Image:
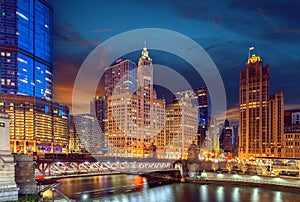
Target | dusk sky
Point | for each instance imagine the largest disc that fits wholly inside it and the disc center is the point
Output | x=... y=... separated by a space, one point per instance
x=225 y=29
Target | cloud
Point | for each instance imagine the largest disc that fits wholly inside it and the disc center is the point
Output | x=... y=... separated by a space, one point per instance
x=277 y=28
x=65 y=74
x=101 y=30
x=232 y=114
x=273 y=28
x=291 y=106
x=67 y=33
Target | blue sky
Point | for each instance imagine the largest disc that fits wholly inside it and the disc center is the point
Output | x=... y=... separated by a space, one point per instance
x=225 y=29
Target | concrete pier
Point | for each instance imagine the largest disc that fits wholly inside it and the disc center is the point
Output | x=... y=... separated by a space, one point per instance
x=8 y=186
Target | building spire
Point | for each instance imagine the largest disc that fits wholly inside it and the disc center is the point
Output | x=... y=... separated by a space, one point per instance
x=254 y=57
x=145 y=53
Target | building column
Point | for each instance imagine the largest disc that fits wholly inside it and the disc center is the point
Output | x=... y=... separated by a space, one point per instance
x=34 y=146
x=15 y=146
x=25 y=147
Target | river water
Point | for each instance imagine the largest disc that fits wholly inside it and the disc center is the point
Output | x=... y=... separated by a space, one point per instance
x=135 y=188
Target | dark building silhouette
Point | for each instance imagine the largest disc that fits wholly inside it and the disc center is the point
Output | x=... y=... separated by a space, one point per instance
x=226 y=139
x=98 y=108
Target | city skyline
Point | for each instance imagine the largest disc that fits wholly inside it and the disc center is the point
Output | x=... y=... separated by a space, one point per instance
x=88 y=91
x=226 y=38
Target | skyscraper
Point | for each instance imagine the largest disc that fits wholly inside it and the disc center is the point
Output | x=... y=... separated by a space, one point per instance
x=181 y=129
x=254 y=98
x=199 y=99
x=120 y=78
x=26 y=89
x=98 y=109
x=26 y=48
x=261 y=116
x=226 y=139
x=87 y=134
x=135 y=117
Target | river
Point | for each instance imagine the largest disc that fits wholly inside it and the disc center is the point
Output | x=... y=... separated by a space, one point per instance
x=136 y=188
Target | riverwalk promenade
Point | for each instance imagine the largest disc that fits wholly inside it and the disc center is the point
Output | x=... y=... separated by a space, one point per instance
x=281 y=183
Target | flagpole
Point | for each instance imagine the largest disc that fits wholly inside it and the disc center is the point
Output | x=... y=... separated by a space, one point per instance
x=250 y=49
x=249 y=53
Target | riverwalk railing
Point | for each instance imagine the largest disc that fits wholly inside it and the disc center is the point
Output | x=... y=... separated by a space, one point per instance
x=248 y=179
x=56 y=194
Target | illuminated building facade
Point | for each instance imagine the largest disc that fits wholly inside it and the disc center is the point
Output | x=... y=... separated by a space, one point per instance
x=291 y=137
x=26 y=75
x=199 y=98
x=211 y=142
x=74 y=140
x=254 y=98
x=135 y=117
x=120 y=78
x=26 y=48
x=261 y=115
x=291 y=143
x=37 y=125
x=291 y=117
x=181 y=129
x=86 y=134
x=276 y=128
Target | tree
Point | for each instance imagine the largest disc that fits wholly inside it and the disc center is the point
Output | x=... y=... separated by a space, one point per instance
x=244 y=168
x=215 y=166
x=229 y=166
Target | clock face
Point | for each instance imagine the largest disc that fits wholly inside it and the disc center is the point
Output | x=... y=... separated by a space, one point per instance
x=147 y=71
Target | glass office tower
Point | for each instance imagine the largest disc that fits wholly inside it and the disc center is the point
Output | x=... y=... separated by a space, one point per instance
x=26 y=48
x=38 y=124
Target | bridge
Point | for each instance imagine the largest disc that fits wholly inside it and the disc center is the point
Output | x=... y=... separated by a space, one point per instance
x=61 y=165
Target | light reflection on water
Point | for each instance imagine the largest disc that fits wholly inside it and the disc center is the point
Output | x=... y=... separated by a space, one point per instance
x=255 y=195
x=135 y=188
x=220 y=193
x=236 y=194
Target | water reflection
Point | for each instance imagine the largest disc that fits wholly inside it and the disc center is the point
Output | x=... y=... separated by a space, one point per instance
x=135 y=188
x=255 y=195
x=236 y=194
x=277 y=196
x=220 y=193
x=204 y=193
